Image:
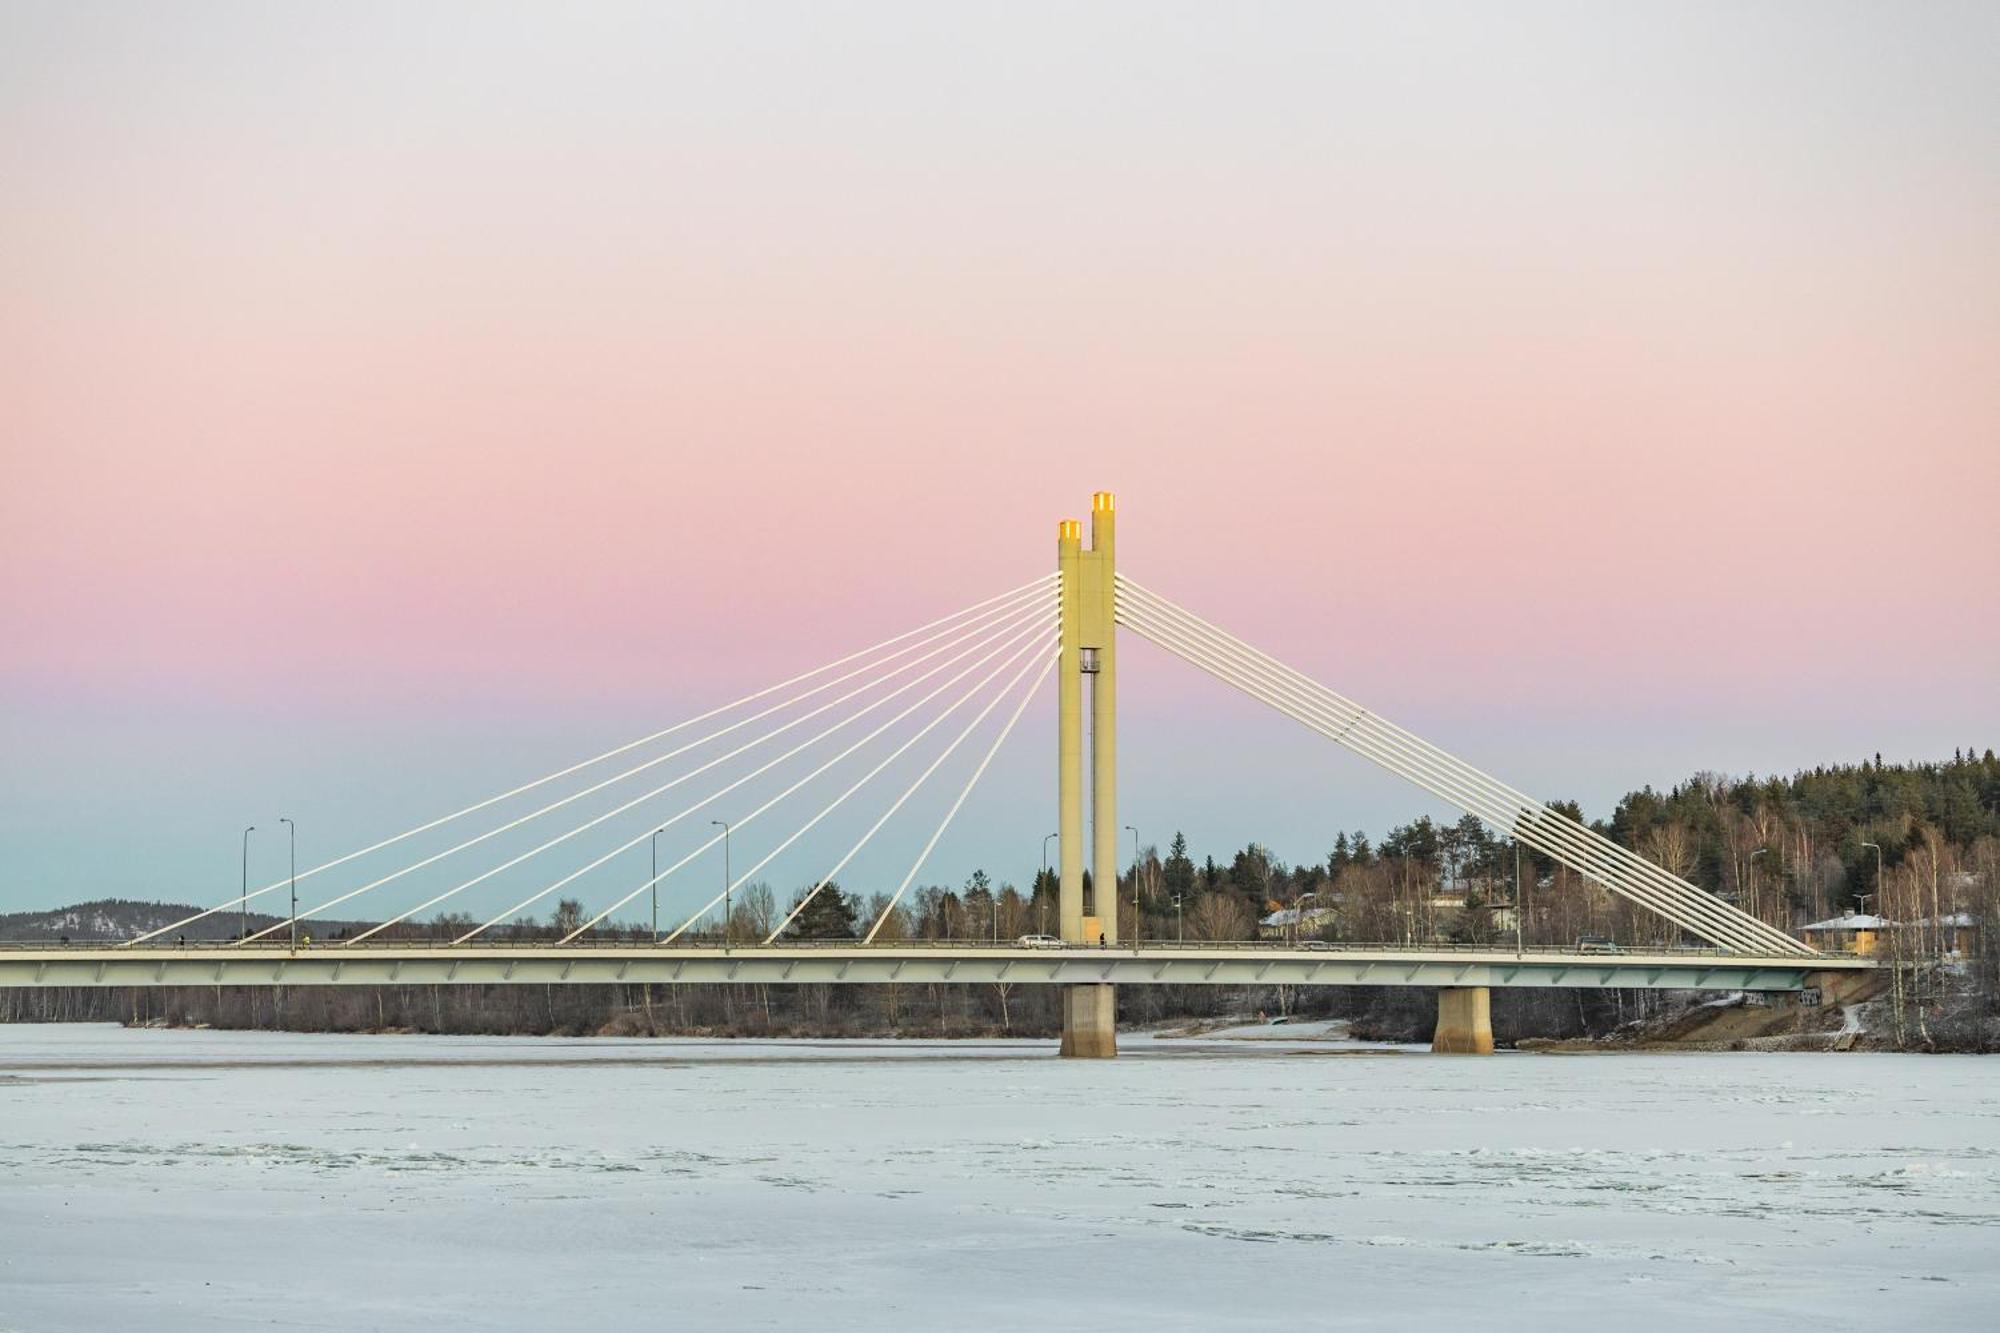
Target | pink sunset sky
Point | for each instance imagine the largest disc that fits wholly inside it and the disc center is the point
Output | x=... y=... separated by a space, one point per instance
x=397 y=402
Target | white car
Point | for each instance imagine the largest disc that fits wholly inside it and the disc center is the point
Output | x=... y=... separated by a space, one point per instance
x=1038 y=942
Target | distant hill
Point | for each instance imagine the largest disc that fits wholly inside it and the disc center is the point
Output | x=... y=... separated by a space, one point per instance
x=123 y=919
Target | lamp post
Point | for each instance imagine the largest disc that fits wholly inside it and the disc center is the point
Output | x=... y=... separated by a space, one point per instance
x=1520 y=906
x=1877 y=895
x=1881 y=899
x=1299 y=917
x=1180 y=931
x=294 y=831
x=1264 y=854
x=243 y=903
x=1750 y=878
x=1135 y=884
x=725 y=881
x=654 y=883
x=1042 y=922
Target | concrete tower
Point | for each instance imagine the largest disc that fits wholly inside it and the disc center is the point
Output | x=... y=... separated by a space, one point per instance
x=1089 y=652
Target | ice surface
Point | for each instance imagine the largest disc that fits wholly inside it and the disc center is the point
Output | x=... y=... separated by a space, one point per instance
x=182 y=1180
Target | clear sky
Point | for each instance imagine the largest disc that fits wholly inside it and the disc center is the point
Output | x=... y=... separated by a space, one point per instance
x=399 y=401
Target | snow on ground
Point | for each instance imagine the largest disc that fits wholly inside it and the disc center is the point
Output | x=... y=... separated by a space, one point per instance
x=182 y=1180
x=1318 y=1033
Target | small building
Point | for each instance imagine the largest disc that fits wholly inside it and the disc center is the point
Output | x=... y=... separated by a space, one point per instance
x=1855 y=933
x=1954 y=927
x=1297 y=922
x=1862 y=934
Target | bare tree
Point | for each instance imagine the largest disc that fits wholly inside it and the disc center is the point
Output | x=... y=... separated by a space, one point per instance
x=1219 y=916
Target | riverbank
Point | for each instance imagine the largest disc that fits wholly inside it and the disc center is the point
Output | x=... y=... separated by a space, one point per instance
x=1752 y=1022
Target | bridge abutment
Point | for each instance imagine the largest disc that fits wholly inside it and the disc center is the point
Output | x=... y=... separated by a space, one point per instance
x=1845 y=987
x=1464 y=1021
x=1090 y=1022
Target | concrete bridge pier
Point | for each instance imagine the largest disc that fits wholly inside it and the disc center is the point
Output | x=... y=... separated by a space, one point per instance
x=1465 y=1021
x=1090 y=1022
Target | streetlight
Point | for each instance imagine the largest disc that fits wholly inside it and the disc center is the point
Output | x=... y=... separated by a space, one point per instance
x=1135 y=884
x=1043 y=907
x=725 y=881
x=1520 y=907
x=1877 y=895
x=654 y=884
x=1180 y=931
x=1299 y=915
x=294 y=830
x=1750 y=876
x=243 y=903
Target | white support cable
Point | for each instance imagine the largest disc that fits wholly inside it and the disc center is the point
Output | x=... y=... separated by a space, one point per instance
x=1023 y=623
x=1007 y=613
x=273 y=886
x=1439 y=786
x=715 y=796
x=1508 y=810
x=867 y=777
x=1591 y=859
x=926 y=729
x=909 y=791
x=966 y=791
x=731 y=886
x=1521 y=816
x=1362 y=727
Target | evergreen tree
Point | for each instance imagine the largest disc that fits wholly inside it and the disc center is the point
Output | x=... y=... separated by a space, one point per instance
x=1339 y=858
x=1177 y=874
x=829 y=916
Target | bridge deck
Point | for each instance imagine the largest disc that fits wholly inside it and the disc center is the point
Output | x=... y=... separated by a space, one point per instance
x=1152 y=963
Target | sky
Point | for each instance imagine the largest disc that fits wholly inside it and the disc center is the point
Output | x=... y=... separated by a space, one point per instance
x=397 y=403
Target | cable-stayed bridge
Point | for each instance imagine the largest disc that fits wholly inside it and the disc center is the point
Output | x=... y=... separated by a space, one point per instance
x=865 y=742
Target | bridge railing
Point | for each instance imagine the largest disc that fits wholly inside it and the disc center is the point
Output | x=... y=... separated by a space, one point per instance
x=486 y=945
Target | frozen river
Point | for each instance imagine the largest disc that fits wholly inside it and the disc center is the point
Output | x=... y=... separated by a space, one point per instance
x=183 y=1180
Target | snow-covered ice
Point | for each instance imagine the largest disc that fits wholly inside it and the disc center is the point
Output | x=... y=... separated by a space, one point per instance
x=182 y=1180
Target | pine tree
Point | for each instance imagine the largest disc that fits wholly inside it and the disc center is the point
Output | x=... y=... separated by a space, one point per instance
x=1339 y=858
x=1177 y=875
x=829 y=916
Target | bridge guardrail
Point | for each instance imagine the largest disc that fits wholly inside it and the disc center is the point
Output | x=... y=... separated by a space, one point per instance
x=281 y=946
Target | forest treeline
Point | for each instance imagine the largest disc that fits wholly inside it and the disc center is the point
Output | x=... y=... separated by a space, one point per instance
x=1918 y=843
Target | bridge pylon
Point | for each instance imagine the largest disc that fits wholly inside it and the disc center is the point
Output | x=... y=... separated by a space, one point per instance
x=1089 y=653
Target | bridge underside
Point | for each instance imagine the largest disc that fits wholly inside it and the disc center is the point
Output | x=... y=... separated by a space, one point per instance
x=1219 y=966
